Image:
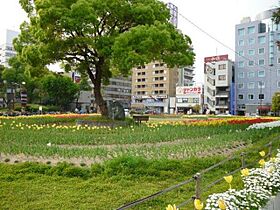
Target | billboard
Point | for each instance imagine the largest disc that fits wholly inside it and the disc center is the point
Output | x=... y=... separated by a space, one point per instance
x=185 y=90
x=216 y=58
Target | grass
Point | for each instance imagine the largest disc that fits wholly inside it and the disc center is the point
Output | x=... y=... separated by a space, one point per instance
x=136 y=161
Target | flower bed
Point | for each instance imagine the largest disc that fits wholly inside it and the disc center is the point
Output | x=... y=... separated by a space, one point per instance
x=260 y=184
x=264 y=125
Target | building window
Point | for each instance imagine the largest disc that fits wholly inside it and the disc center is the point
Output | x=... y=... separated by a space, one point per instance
x=251 y=29
x=141 y=73
x=141 y=67
x=241 y=64
x=251 y=85
x=251 y=41
x=241 y=32
x=251 y=96
x=240 y=96
x=251 y=74
x=261 y=73
x=261 y=51
x=141 y=80
x=278 y=60
x=261 y=62
x=241 y=42
x=261 y=39
x=240 y=85
x=241 y=53
x=278 y=84
x=250 y=63
x=222 y=66
x=251 y=52
x=261 y=84
x=261 y=96
x=241 y=75
x=222 y=77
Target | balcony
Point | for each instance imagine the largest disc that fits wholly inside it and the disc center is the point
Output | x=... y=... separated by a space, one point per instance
x=222 y=94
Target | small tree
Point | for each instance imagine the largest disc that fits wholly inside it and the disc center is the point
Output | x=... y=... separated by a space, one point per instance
x=61 y=90
x=276 y=103
x=196 y=108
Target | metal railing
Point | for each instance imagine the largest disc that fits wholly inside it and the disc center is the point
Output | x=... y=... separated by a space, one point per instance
x=198 y=177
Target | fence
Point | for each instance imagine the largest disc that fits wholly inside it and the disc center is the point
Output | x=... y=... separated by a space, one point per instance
x=197 y=179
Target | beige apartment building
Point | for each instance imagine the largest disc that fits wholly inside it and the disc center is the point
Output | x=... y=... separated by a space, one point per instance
x=154 y=87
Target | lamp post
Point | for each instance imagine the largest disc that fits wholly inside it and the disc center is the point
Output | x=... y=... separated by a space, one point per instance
x=260 y=97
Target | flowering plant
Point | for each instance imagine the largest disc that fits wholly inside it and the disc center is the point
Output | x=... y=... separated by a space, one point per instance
x=259 y=185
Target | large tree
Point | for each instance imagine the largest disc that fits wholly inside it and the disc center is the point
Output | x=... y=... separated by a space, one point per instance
x=98 y=36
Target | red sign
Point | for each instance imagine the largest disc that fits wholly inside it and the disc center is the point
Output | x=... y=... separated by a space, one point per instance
x=216 y=58
x=188 y=90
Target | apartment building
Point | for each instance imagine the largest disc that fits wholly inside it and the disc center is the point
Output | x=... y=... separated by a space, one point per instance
x=118 y=89
x=154 y=87
x=6 y=46
x=218 y=80
x=257 y=70
x=186 y=76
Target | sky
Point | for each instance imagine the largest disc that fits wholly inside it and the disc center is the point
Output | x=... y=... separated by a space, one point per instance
x=216 y=17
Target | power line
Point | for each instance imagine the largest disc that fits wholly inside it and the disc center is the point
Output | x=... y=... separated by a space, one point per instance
x=226 y=46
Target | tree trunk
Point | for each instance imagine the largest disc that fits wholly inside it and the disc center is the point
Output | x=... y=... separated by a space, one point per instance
x=96 y=80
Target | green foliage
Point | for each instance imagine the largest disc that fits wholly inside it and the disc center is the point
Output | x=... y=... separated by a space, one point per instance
x=196 y=108
x=61 y=90
x=97 y=37
x=276 y=102
x=276 y=16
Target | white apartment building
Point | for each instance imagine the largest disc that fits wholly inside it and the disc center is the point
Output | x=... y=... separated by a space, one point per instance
x=218 y=76
x=6 y=46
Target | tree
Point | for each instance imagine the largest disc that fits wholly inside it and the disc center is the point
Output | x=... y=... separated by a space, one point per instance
x=276 y=102
x=196 y=108
x=98 y=36
x=61 y=90
x=19 y=72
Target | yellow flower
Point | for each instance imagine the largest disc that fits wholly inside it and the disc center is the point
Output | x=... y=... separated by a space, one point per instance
x=170 y=207
x=245 y=172
x=197 y=204
x=262 y=153
x=228 y=180
x=262 y=162
x=273 y=159
x=222 y=204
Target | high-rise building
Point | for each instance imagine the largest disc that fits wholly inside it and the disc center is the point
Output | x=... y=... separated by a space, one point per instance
x=257 y=71
x=185 y=76
x=173 y=14
x=152 y=87
x=218 y=79
x=6 y=47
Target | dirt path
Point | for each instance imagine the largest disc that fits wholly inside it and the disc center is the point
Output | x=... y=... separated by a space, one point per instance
x=84 y=161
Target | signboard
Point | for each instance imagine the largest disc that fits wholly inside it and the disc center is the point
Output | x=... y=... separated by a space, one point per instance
x=188 y=90
x=216 y=58
x=23 y=98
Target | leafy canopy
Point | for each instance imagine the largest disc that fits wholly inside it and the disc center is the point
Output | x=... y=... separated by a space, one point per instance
x=82 y=33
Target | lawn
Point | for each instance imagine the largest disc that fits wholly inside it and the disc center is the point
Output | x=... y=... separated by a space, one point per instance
x=119 y=164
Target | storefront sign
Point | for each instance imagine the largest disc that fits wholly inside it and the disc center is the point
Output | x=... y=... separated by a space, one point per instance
x=216 y=58
x=188 y=90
